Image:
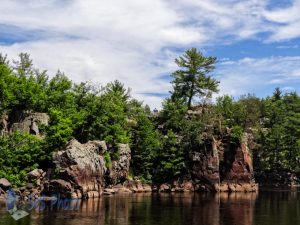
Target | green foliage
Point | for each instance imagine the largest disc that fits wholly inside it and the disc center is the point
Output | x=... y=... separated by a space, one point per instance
x=60 y=130
x=279 y=139
x=236 y=134
x=19 y=154
x=145 y=143
x=171 y=160
x=246 y=112
x=192 y=135
x=192 y=80
x=161 y=144
x=107 y=160
x=173 y=113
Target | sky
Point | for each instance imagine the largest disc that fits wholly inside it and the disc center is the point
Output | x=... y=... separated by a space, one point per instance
x=256 y=42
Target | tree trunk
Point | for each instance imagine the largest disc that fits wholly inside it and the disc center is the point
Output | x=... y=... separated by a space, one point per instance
x=191 y=96
x=190 y=102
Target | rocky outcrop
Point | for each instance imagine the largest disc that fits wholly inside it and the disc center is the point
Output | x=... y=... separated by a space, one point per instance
x=4 y=184
x=24 y=122
x=119 y=171
x=224 y=165
x=137 y=186
x=205 y=165
x=79 y=170
x=29 y=122
x=237 y=167
x=176 y=186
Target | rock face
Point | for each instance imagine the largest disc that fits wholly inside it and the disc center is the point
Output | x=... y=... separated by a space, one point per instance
x=28 y=122
x=119 y=171
x=237 y=166
x=24 y=122
x=79 y=170
x=4 y=125
x=224 y=166
x=205 y=165
x=137 y=186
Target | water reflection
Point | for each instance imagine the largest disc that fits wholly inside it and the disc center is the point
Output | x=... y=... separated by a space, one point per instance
x=237 y=208
x=172 y=209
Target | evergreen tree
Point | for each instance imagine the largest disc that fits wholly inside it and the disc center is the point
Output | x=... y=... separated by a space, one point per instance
x=192 y=79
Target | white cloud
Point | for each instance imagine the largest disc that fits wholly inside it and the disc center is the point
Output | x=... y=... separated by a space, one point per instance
x=288 y=21
x=132 y=40
x=258 y=76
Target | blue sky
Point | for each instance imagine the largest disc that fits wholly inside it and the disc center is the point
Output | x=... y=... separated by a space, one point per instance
x=257 y=42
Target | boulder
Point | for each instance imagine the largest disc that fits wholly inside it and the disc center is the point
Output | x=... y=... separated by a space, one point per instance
x=4 y=184
x=164 y=188
x=29 y=186
x=82 y=166
x=109 y=191
x=137 y=186
x=61 y=187
x=147 y=188
x=35 y=174
x=223 y=187
x=124 y=190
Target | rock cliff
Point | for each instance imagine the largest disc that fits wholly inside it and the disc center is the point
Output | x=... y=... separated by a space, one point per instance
x=78 y=170
x=223 y=165
x=24 y=122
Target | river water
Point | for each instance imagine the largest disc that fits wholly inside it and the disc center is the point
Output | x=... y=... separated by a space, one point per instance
x=263 y=208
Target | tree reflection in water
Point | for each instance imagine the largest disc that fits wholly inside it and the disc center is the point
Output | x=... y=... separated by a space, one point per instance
x=173 y=209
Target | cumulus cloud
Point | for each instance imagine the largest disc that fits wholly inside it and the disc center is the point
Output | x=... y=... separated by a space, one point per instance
x=134 y=40
x=260 y=76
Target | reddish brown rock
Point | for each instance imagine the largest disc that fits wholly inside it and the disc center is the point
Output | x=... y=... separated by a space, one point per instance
x=164 y=188
x=82 y=166
x=224 y=165
x=237 y=167
x=205 y=168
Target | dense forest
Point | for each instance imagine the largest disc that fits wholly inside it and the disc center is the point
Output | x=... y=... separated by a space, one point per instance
x=160 y=142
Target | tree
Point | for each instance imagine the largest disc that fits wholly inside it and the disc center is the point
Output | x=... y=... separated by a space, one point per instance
x=170 y=160
x=192 y=79
x=118 y=88
x=145 y=143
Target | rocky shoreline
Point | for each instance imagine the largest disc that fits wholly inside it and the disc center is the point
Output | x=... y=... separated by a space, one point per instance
x=80 y=170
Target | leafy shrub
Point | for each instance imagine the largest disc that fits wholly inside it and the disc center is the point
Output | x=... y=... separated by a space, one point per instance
x=236 y=134
x=19 y=154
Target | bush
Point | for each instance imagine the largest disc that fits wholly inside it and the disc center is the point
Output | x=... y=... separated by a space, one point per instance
x=236 y=134
x=107 y=160
x=19 y=154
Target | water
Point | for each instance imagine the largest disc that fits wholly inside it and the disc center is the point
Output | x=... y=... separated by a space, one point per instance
x=265 y=208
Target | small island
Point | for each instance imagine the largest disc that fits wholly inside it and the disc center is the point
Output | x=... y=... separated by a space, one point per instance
x=82 y=141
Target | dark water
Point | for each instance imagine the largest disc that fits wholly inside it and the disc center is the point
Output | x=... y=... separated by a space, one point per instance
x=265 y=208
